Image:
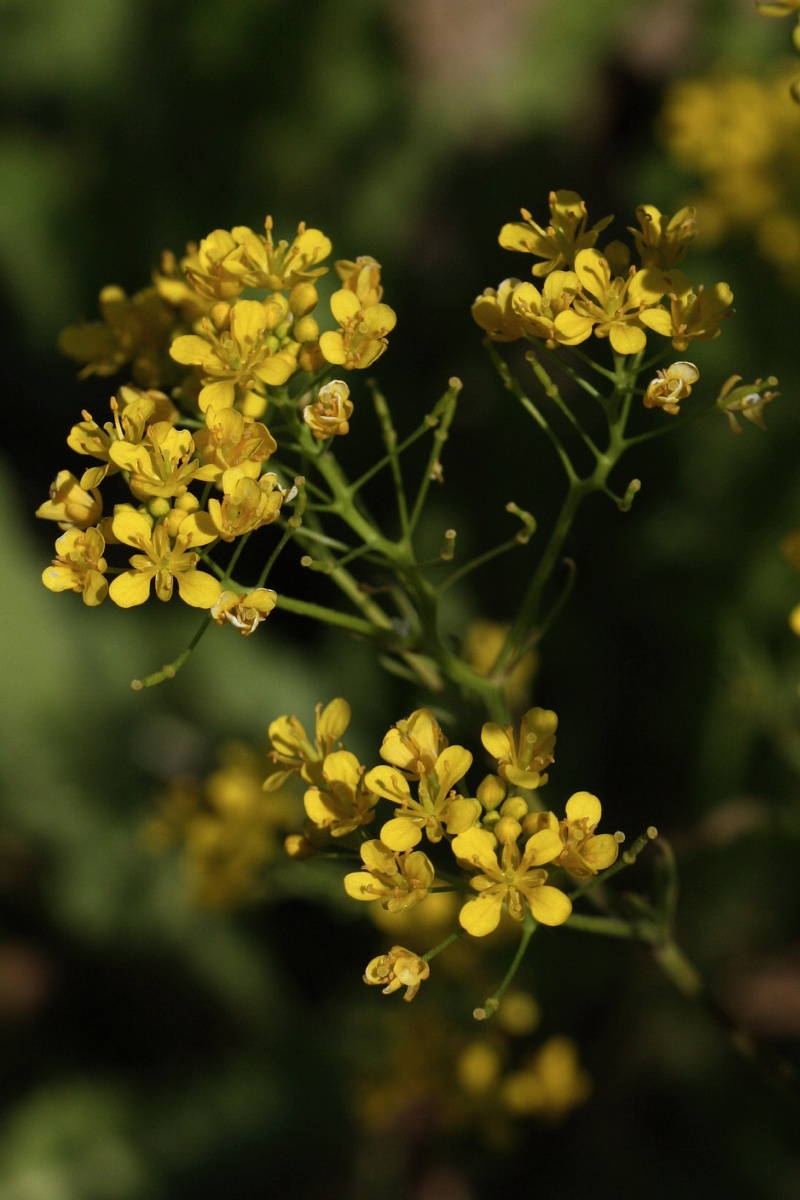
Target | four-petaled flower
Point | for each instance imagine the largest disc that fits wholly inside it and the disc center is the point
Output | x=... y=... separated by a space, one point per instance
x=514 y=881
x=79 y=566
x=294 y=753
x=670 y=386
x=399 y=968
x=244 y=610
x=163 y=559
x=399 y=881
x=523 y=763
x=343 y=801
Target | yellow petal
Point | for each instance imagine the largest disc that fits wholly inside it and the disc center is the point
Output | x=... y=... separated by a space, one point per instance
x=549 y=905
x=584 y=806
x=130 y=589
x=360 y=885
x=389 y=783
x=198 y=589
x=401 y=833
x=481 y=916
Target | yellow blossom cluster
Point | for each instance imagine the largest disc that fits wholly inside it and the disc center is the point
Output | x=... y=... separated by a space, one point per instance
x=218 y=340
x=496 y=849
x=228 y=829
x=488 y=1084
x=739 y=134
x=587 y=291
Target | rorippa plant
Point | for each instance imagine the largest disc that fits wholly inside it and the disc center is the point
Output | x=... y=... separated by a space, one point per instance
x=186 y=472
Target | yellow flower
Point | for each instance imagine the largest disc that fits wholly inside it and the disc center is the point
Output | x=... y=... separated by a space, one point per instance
x=565 y=235
x=243 y=355
x=228 y=828
x=163 y=464
x=294 y=753
x=512 y=882
x=132 y=411
x=362 y=277
x=494 y=312
x=163 y=559
x=542 y=313
x=329 y=413
x=523 y=763
x=437 y=806
x=550 y=1085
x=483 y=641
x=244 y=610
x=414 y=744
x=247 y=503
x=399 y=968
x=69 y=504
x=692 y=315
x=585 y=852
x=281 y=267
x=79 y=566
x=748 y=399
x=613 y=307
x=663 y=241
x=362 y=336
x=133 y=330
x=215 y=269
x=671 y=386
x=343 y=802
x=399 y=881
x=231 y=440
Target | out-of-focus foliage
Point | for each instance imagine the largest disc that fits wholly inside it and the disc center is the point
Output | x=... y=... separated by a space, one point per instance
x=154 y=1049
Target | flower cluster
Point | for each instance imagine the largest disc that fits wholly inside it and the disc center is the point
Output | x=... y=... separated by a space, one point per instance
x=587 y=291
x=739 y=134
x=227 y=828
x=500 y=843
x=219 y=341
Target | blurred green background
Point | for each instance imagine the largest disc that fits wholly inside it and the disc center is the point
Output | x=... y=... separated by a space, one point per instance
x=152 y=1049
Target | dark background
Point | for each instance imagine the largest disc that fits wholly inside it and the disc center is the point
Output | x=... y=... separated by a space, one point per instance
x=154 y=1049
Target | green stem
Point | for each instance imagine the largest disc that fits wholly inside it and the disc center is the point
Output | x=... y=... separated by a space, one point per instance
x=491 y=1005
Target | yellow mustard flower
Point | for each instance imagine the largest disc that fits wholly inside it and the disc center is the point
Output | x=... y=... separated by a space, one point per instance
x=584 y=852
x=438 y=805
x=542 y=314
x=243 y=355
x=612 y=306
x=414 y=744
x=244 y=610
x=231 y=440
x=522 y=763
x=670 y=386
x=328 y=415
x=282 y=266
x=746 y=399
x=399 y=881
x=663 y=241
x=362 y=277
x=134 y=329
x=513 y=881
x=227 y=827
x=361 y=338
x=132 y=411
x=550 y=1085
x=692 y=315
x=399 y=968
x=162 y=464
x=79 y=566
x=493 y=311
x=70 y=505
x=247 y=503
x=483 y=641
x=343 y=802
x=293 y=753
x=563 y=237
x=215 y=270
x=164 y=560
